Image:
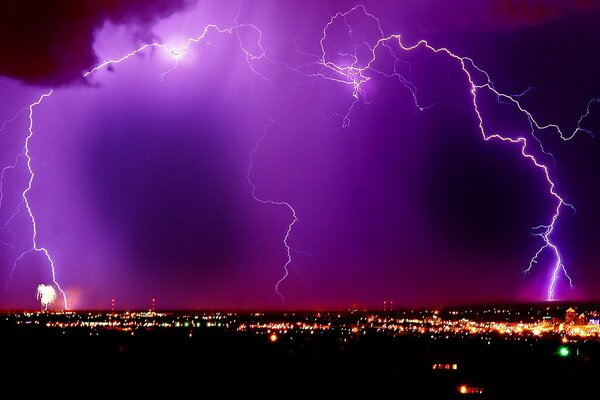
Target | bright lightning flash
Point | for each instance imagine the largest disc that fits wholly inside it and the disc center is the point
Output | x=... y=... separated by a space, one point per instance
x=176 y=54
x=356 y=76
x=46 y=295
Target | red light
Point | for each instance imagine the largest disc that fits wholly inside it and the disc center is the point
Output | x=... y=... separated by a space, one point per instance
x=273 y=338
x=464 y=389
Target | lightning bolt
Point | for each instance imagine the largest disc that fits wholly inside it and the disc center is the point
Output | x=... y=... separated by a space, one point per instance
x=275 y=203
x=176 y=54
x=357 y=76
x=250 y=59
x=35 y=245
x=3 y=174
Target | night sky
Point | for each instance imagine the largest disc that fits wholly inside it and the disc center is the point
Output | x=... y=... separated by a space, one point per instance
x=141 y=183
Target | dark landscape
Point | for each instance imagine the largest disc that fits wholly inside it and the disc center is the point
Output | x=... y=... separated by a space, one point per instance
x=322 y=352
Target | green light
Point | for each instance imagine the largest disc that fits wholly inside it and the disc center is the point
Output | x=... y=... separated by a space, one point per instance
x=564 y=351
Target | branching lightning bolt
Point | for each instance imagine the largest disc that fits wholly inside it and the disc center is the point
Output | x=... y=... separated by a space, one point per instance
x=358 y=75
x=35 y=245
x=176 y=54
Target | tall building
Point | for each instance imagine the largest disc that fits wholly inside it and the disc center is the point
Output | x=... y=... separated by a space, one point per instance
x=570 y=316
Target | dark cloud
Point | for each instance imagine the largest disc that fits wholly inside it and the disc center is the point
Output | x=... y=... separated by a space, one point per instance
x=50 y=43
x=435 y=16
x=513 y=14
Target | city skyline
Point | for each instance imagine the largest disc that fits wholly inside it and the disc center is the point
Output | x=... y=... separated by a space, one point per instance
x=432 y=353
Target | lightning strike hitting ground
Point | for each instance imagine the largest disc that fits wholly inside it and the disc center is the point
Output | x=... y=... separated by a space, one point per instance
x=46 y=295
x=356 y=76
x=35 y=246
x=176 y=54
x=276 y=203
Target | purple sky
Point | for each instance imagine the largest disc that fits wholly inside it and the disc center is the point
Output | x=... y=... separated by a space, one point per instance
x=141 y=189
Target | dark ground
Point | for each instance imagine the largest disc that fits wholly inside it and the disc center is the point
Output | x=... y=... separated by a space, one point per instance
x=376 y=365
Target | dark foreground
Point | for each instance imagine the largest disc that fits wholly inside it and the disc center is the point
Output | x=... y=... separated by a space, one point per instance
x=110 y=361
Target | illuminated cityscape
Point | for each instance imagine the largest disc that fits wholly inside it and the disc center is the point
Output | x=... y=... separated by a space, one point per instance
x=541 y=322
x=458 y=351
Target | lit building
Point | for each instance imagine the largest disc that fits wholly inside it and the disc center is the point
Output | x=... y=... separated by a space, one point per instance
x=444 y=366
x=464 y=389
x=570 y=316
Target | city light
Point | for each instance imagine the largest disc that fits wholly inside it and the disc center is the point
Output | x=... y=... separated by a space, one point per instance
x=489 y=325
x=464 y=389
x=564 y=351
